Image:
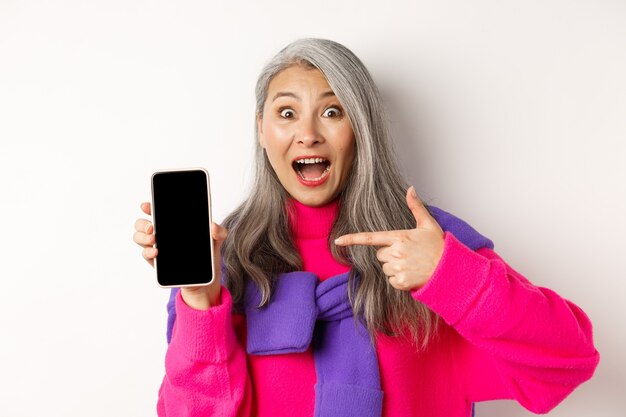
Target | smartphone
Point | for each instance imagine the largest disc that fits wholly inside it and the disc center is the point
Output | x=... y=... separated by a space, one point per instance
x=181 y=214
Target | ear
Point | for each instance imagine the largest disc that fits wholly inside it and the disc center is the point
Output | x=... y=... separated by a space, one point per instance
x=259 y=125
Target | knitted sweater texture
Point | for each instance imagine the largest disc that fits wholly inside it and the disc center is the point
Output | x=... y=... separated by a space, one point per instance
x=501 y=338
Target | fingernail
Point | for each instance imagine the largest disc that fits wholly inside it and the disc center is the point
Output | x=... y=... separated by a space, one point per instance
x=339 y=241
x=413 y=192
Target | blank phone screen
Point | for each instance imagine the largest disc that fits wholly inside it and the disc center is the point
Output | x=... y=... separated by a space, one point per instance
x=182 y=227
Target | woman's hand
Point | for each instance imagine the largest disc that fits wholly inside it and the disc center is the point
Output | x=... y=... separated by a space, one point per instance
x=200 y=298
x=409 y=257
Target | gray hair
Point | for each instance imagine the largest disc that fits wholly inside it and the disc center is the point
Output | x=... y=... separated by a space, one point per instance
x=259 y=246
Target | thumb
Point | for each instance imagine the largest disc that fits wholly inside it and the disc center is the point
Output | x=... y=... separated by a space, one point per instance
x=422 y=216
x=218 y=233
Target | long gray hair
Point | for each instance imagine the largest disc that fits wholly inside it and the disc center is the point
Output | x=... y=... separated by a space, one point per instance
x=259 y=243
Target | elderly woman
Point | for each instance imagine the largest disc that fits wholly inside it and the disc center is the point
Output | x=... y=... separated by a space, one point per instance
x=341 y=293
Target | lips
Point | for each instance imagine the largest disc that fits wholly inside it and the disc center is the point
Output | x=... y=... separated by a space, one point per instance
x=311 y=170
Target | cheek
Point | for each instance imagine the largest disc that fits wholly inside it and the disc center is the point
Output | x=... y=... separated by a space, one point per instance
x=274 y=137
x=276 y=129
x=277 y=139
x=346 y=147
x=276 y=147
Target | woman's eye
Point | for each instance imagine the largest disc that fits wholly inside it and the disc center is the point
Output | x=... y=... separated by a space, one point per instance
x=286 y=113
x=332 y=112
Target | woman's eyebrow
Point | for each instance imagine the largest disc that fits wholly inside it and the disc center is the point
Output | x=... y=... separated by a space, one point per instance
x=290 y=94
x=285 y=94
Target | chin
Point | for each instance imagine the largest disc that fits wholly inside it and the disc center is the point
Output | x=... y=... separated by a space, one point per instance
x=313 y=200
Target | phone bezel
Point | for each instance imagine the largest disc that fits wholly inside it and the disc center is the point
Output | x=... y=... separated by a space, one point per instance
x=154 y=224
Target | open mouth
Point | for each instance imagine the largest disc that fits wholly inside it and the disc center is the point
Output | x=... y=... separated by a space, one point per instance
x=311 y=170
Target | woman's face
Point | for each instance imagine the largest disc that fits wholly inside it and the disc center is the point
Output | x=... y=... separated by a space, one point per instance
x=306 y=135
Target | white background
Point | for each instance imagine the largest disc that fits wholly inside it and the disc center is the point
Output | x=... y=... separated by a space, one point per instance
x=510 y=115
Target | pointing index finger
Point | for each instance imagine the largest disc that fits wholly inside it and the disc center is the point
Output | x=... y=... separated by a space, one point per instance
x=367 y=238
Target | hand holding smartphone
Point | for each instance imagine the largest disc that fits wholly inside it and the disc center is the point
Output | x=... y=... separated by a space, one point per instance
x=181 y=210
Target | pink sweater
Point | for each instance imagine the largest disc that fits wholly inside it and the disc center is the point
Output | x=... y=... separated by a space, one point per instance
x=503 y=338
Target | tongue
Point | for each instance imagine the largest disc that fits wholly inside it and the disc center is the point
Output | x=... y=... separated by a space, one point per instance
x=311 y=171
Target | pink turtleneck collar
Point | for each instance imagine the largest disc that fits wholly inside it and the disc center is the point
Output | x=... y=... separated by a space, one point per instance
x=310 y=227
x=311 y=222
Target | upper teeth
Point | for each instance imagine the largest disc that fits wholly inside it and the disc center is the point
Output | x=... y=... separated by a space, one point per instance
x=310 y=160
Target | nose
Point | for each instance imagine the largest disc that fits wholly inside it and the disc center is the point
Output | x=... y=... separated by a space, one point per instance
x=308 y=133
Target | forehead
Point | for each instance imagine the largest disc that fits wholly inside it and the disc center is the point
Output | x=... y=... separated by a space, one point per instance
x=298 y=78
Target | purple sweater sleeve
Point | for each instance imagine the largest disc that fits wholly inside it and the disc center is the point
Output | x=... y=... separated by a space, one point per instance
x=517 y=341
x=205 y=365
